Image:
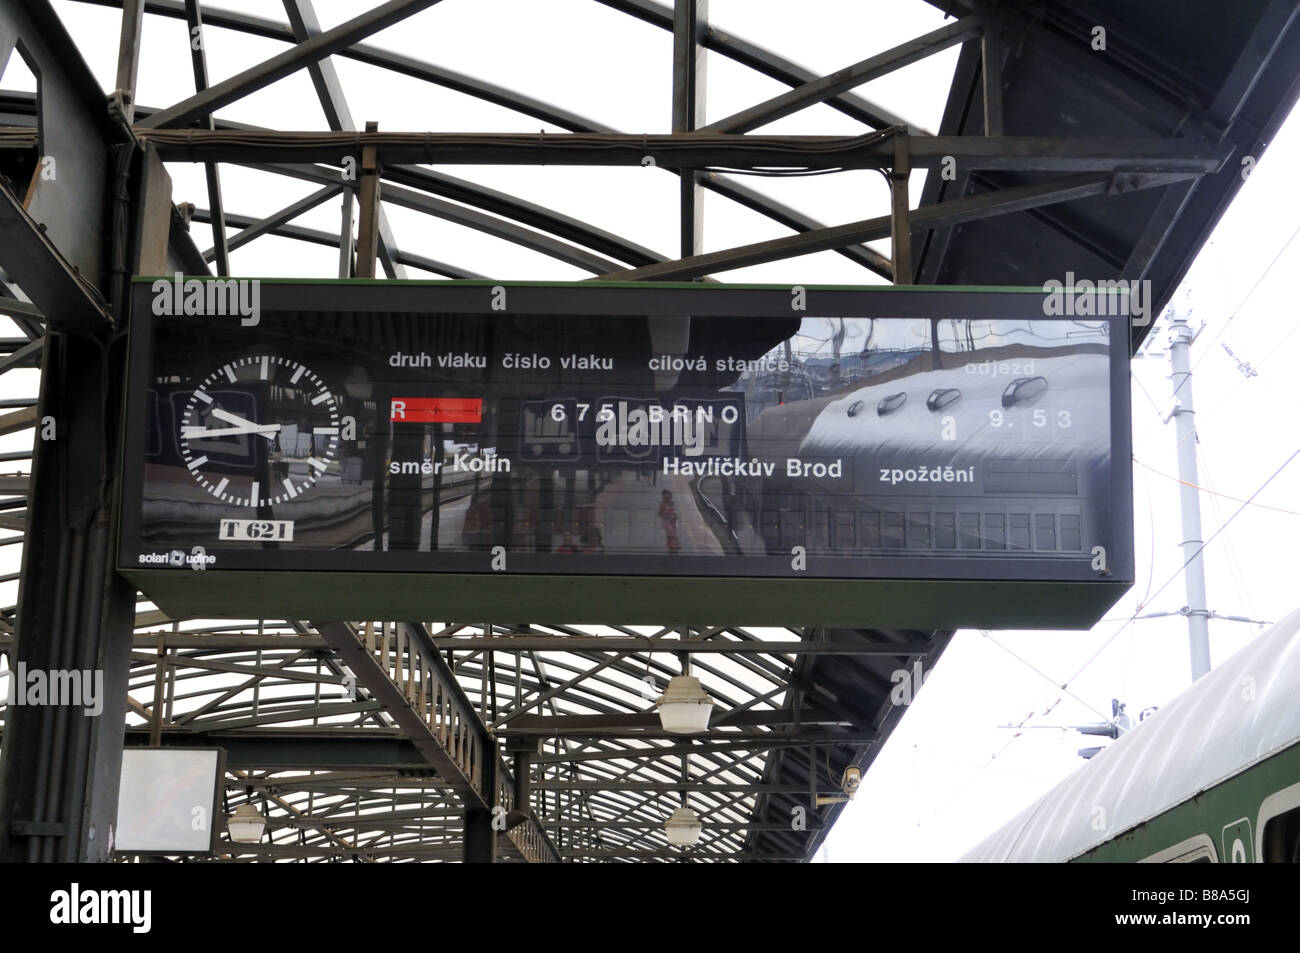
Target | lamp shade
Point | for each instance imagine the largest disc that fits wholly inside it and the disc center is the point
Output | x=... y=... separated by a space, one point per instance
x=246 y=824
x=683 y=827
x=684 y=707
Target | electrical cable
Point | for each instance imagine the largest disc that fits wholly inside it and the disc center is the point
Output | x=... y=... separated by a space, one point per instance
x=1243 y=301
x=1177 y=573
x=1234 y=562
x=1274 y=349
x=1235 y=312
x=1039 y=671
x=1205 y=489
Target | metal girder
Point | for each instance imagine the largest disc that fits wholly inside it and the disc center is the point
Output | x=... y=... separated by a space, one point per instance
x=426 y=181
x=74 y=130
x=409 y=679
x=979 y=156
x=54 y=284
x=646 y=724
x=756 y=746
x=931 y=246
x=17 y=420
x=24 y=356
x=795 y=220
x=991 y=52
x=318 y=237
x=230 y=642
x=500 y=228
x=968 y=209
x=696 y=150
x=747 y=54
x=330 y=747
x=277 y=219
x=283 y=64
x=385 y=59
x=690 y=22
x=553 y=222
x=599 y=643
x=21 y=310
x=199 y=62
x=760 y=60
x=547 y=221
x=667 y=787
x=675 y=854
x=900 y=228
x=657 y=824
x=128 y=51
x=414 y=851
x=872 y=67
x=302 y=18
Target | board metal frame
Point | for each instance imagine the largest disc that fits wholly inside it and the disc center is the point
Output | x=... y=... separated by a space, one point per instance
x=951 y=592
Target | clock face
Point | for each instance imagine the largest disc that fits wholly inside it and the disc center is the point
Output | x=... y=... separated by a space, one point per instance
x=259 y=431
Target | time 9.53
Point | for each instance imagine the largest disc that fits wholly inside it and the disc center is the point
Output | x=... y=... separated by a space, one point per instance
x=1039 y=417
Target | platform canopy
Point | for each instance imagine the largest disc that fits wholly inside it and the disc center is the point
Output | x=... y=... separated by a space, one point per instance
x=1041 y=141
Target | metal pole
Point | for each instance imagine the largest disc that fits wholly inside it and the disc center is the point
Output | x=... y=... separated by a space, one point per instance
x=690 y=24
x=900 y=216
x=368 y=198
x=1198 y=616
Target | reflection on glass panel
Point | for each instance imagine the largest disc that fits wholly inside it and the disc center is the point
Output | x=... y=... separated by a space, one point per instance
x=630 y=437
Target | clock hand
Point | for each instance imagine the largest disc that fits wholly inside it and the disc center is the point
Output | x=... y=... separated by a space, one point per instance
x=232 y=418
x=268 y=431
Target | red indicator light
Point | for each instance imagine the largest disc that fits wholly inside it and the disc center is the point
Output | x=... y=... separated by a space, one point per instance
x=436 y=410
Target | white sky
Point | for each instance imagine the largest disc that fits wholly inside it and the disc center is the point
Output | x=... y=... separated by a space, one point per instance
x=949 y=775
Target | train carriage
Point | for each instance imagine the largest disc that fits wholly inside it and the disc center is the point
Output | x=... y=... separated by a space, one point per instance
x=1212 y=777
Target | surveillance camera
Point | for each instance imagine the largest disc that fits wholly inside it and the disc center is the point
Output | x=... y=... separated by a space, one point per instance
x=852 y=780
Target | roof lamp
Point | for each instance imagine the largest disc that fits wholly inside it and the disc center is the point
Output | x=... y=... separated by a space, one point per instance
x=246 y=824
x=683 y=827
x=684 y=707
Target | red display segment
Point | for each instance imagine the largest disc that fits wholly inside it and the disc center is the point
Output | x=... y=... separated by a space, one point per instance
x=436 y=410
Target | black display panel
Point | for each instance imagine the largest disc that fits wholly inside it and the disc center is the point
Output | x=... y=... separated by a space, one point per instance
x=461 y=434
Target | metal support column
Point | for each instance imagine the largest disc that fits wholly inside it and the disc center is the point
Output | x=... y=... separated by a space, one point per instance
x=368 y=198
x=128 y=53
x=479 y=841
x=523 y=780
x=690 y=23
x=900 y=221
x=991 y=78
x=61 y=764
x=216 y=209
x=59 y=777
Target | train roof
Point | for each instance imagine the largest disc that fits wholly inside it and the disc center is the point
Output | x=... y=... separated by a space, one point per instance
x=1243 y=711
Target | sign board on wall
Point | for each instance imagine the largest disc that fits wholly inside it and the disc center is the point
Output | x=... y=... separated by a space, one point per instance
x=169 y=800
x=626 y=453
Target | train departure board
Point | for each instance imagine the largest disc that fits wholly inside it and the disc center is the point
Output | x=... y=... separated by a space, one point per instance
x=635 y=453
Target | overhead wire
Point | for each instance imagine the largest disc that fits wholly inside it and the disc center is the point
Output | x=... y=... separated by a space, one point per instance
x=1092 y=658
x=1236 y=311
x=1041 y=673
x=1211 y=492
x=1234 y=563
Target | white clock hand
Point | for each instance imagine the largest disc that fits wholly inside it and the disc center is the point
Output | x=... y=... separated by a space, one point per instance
x=234 y=419
x=267 y=431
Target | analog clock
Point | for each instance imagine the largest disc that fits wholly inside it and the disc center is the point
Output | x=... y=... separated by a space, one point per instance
x=259 y=431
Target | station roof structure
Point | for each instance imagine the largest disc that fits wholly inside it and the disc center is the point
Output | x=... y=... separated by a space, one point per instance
x=1100 y=139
